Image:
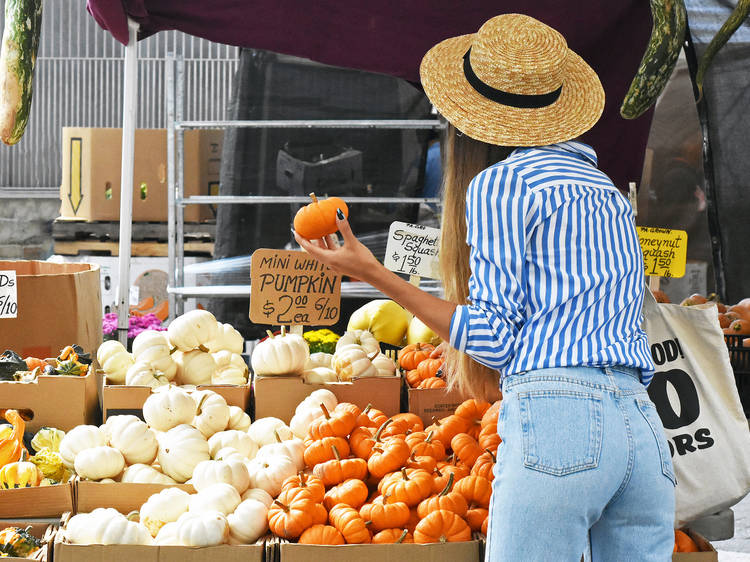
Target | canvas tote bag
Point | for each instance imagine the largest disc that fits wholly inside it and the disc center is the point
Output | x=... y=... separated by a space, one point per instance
x=695 y=394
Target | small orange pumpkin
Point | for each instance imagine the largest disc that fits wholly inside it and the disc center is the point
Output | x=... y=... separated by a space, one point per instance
x=446 y=428
x=413 y=378
x=442 y=526
x=384 y=514
x=473 y=411
x=477 y=490
x=424 y=462
x=423 y=443
x=393 y=536
x=312 y=484
x=288 y=517
x=432 y=382
x=388 y=456
x=484 y=465
x=350 y=524
x=489 y=439
x=446 y=499
x=338 y=423
x=443 y=472
x=429 y=368
x=351 y=492
x=490 y=416
x=475 y=517
x=319 y=514
x=412 y=355
x=371 y=417
x=321 y=450
x=318 y=219
x=412 y=487
x=413 y=421
x=335 y=471
x=466 y=448
x=321 y=534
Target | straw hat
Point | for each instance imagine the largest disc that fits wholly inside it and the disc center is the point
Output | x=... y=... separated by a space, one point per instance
x=513 y=83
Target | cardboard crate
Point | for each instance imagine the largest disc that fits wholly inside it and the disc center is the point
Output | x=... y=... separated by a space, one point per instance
x=55 y=400
x=119 y=399
x=59 y=304
x=91 y=164
x=122 y=496
x=39 y=501
x=432 y=402
x=40 y=528
x=278 y=396
x=447 y=552
x=707 y=554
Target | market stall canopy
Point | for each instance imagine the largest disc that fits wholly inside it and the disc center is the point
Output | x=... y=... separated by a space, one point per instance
x=391 y=38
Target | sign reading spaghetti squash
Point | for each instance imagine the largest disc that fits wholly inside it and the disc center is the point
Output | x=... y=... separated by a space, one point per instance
x=292 y=288
x=413 y=249
x=664 y=251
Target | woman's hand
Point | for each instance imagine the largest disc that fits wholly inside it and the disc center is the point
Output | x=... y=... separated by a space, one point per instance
x=353 y=258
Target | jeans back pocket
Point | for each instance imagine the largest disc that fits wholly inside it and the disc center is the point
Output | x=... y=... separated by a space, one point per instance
x=562 y=430
x=648 y=410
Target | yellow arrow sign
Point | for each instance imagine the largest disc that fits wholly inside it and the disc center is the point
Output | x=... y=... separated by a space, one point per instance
x=74 y=193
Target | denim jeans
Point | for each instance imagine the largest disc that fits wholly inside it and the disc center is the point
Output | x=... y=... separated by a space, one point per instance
x=584 y=463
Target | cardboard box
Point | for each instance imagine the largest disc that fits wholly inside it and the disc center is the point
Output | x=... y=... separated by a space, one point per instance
x=278 y=396
x=707 y=554
x=433 y=402
x=122 y=496
x=41 y=501
x=118 y=399
x=66 y=552
x=91 y=165
x=59 y=304
x=40 y=528
x=54 y=400
x=458 y=551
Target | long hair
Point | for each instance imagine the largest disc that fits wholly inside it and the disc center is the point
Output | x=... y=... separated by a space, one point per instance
x=463 y=158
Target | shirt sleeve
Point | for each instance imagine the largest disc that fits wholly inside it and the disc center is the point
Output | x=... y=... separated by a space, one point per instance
x=486 y=329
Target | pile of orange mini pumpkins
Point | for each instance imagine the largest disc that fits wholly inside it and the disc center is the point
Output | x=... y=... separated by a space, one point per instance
x=375 y=479
x=421 y=366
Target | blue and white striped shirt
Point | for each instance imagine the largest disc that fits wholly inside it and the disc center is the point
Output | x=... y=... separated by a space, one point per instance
x=557 y=269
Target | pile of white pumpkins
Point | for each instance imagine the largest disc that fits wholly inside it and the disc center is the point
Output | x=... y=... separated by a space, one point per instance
x=357 y=355
x=195 y=350
x=236 y=472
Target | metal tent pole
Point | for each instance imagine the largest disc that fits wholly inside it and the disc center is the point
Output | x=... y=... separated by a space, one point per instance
x=171 y=194
x=126 y=178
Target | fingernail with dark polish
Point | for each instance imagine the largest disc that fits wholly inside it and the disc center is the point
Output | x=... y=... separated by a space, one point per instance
x=340 y=214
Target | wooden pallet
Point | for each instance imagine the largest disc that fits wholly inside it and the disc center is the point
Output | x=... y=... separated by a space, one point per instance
x=141 y=231
x=138 y=249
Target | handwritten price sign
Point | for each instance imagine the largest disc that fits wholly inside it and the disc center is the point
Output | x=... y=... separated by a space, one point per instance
x=291 y=288
x=8 y=295
x=413 y=249
x=664 y=251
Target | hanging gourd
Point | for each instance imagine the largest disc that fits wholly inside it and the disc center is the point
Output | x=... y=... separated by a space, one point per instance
x=12 y=446
x=318 y=219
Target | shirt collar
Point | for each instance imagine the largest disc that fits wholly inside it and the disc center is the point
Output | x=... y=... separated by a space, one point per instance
x=580 y=149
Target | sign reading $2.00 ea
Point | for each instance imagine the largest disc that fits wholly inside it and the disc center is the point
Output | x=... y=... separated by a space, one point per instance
x=292 y=288
x=8 y=294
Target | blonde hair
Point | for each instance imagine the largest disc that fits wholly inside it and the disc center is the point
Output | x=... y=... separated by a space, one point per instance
x=463 y=158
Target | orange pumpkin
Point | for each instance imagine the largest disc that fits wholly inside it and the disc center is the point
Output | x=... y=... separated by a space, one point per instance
x=349 y=523
x=485 y=523
x=384 y=514
x=447 y=499
x=424 y=462
x=432 y=382
x=473 y=411
x=475 y=516
x=397 y=428
x=412 y=355
x=422 y=443
x=319 y=515
x=446 y=428
x=490 y=416
x=321 y=534
x=489 y=439
x=371 y=417
x=413 y=378
x=351 y=492
x=429 y=368
x=321 y=450
x=443 y=472
x=34 y=363
x=683 y=542
x=337 y=424
x=288 y=517
x=388 y=456
x=337 y=470
x=738 y=327
x=466 y=448
x=302 y=481
x=442 y=526
x=413 y=421
x=318 y=219
x=411 y=487
x=477 y=490
x=484 y=465
x=12 y=446
x=393 y=536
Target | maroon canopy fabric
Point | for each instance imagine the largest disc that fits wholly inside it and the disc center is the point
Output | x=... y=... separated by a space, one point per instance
x=391 y=36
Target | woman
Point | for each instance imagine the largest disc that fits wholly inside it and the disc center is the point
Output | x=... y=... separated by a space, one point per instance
x=549 y=287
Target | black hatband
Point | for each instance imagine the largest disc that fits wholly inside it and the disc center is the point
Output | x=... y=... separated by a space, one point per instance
x=523 y=101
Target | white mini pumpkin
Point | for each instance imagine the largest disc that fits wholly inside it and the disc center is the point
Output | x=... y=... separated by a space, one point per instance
x=168 y=407
x=114 y=360
x=228 y=453
x=248 y=523
x=152 y=346
x=301 y=421
x=259 y=495
x=316 y=398
x=132 y=438
x=319 y=359
x=238 y=419
x=180 y=450
x=234 y=438
x=202 y=529
x=265 y=430
x=226 y=339
x=99 y=462
x=144 y=474
x=230 y=471
x=384 y=365
x=286 y=354
x=144 y=374
x=212 y=414
x=193 y=330
x=108 y=528
x=80 y=529
x=292 y=448
x=162 y=508
x=79 y=438
x=194 y=367
x=359 y=337
x=319 y=375
x=270 y=473
x=221 y=497
x=167 y=535
x=353 y=363
x=230 y=369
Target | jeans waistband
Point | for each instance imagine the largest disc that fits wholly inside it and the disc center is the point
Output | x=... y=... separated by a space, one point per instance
x=612 y=378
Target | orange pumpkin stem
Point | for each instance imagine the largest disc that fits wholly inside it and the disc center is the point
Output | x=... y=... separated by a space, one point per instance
x=381 y=428
x=281 y=505
x=437 y=470
x=494 y=458
x=302 y=479
x=429 y=436
x=448 y=486
x=326 y=413
x=403 y=473
x=335 y=452
x=403 y=536
x=313 y=197
x=367 y=409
